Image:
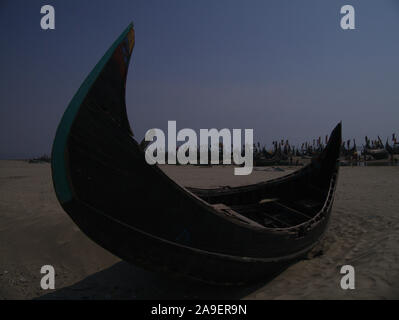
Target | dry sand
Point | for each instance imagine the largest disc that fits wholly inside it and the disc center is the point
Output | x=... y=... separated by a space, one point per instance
x=34 y=231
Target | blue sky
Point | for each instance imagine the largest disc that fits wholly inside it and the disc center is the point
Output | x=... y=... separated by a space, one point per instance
x=284 y=68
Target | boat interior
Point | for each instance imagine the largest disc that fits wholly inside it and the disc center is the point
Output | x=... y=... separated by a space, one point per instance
x=281 y=204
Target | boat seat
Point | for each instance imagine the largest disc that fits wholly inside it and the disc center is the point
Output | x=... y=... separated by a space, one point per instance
x=268 y=200
x=221 y=207
x=294 y=211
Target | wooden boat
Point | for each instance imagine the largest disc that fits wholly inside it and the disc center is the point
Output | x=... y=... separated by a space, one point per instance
x=376 y=153
x=348 y=153
x=394 y=149
x=134 y=210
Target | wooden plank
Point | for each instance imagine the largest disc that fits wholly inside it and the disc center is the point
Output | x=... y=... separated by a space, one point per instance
x=229 y=211
x=293 y=210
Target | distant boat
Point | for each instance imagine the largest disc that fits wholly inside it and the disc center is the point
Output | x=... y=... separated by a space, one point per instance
x=134 y=210
x=376 y=153
x=394 y=149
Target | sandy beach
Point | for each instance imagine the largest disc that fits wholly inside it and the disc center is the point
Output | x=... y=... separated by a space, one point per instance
x=35 y=231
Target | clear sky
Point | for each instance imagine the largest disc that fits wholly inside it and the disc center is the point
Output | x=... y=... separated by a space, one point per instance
x=284 y=68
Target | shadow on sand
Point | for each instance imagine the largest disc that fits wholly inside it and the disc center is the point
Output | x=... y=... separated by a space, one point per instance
x=125 y=281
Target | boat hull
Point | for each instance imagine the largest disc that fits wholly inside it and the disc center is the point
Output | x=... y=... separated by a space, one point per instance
x=155 y=254
x=377 y=154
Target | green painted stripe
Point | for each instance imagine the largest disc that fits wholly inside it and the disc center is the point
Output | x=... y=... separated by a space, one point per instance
x=60 y=180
